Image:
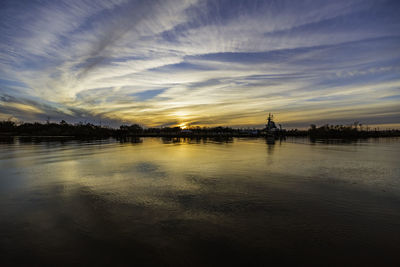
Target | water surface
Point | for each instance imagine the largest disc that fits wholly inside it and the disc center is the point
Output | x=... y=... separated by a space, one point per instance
x=181 y=202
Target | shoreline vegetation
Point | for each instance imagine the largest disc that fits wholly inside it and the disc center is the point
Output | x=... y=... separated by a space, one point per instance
x=88 y=130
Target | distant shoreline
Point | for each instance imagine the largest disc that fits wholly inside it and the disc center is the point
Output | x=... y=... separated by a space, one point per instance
x=90 y=131
x=222 y=136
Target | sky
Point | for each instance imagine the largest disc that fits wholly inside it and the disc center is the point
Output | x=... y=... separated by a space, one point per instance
x=201 y=63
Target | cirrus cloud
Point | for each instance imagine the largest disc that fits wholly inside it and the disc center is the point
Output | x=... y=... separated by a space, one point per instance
x=201 y=62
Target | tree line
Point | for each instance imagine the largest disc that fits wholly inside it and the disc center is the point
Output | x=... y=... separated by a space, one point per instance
x=87 y=130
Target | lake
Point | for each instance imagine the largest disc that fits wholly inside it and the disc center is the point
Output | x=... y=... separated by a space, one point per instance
x=204 y=202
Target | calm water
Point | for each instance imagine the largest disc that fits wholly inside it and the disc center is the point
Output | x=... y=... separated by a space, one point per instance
x=205 y=202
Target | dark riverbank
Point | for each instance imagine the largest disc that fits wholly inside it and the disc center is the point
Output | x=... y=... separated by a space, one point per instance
x=80 y=130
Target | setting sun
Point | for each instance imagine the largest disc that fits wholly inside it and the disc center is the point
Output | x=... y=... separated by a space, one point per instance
x=183 y=126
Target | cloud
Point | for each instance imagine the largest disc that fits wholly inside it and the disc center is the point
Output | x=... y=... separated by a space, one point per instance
x=200 y=62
